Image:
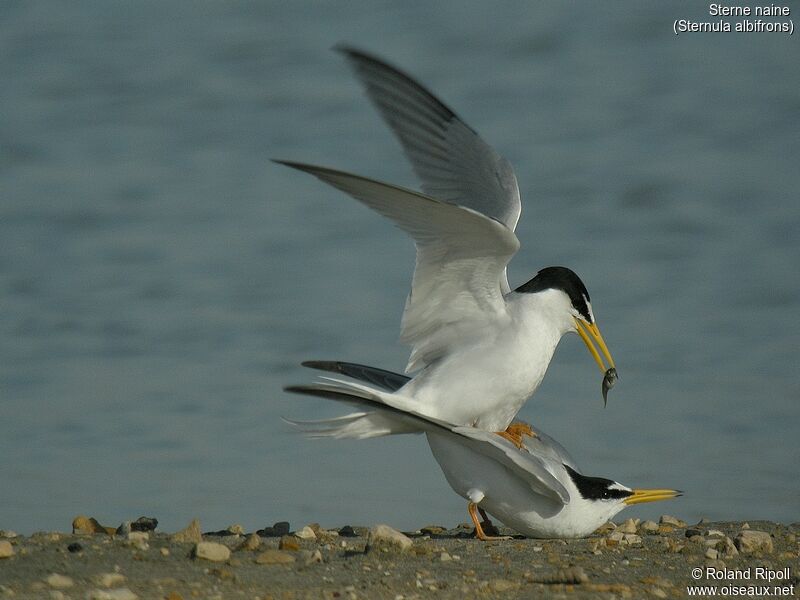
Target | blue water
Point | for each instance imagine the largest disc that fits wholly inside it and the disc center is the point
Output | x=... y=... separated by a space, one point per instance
x=160 y=280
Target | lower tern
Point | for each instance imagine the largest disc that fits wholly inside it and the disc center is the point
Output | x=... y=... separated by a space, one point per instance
x=479 y=348
x=534 y=488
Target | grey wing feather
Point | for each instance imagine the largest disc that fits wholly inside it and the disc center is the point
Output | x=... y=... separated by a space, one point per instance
x=450 y=158
x=382 y=378
x=532 y=467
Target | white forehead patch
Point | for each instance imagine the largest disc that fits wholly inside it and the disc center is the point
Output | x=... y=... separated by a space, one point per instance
x=619 y=486
x=589 y=307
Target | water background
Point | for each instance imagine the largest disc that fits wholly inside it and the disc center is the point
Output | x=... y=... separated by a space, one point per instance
x=160 y=280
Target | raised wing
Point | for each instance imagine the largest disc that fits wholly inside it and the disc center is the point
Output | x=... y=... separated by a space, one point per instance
x=450 y=158
x=461 y=259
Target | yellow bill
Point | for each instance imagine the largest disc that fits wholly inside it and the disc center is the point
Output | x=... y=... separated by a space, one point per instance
x=590 y=334
x=641 y=496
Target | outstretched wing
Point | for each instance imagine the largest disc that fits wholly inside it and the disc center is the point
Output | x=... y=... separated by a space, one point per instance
x=461 y=259
x=451 y=159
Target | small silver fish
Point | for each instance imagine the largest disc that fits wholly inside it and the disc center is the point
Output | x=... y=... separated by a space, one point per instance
x=609 y=381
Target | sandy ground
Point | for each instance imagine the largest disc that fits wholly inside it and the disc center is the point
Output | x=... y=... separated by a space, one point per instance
x=632 y=560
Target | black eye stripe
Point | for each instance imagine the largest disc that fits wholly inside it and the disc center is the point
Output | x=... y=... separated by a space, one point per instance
x=595 y=488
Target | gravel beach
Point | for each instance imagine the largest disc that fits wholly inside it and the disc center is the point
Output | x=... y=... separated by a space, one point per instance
x=631 y=559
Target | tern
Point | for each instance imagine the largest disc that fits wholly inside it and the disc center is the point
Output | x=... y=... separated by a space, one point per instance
x=479 y=348
x=535 y=489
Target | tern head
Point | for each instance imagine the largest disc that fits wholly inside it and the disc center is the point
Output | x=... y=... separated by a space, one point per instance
x=600 y=499
x=572 y=300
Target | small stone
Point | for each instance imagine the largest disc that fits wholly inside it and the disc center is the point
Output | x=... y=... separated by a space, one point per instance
x=109 y=580
x=670 y=520
x=59 y=582
x=432 y=530
x=347 y=531
x=164 y=551
x=384 y=537
x=615 y=538
x=628 y=526
x=288 y=543
x=310 y=558
x=715 y=533
x=445 y=557
x=211 y=551
x=658 y=592
x=306 y=533
x=74 y=547
x=718 y=565
x=673 y=546
x=727 y=548
x=657 y=581
x=173 y=596
x=144 y=524
x=633 y=539
x=745 y=525
x=251 y=542
x=693 y=531
x=8 y=534
x=712 y=554
x=82 y=525
x=277 y=530
x=235 y=529
x=117 y=594
x=190 y=534
x=6 y=549
x=606 y=527
x=649 y=527
x=665 y=529
x=754 y=541
x=274 y=557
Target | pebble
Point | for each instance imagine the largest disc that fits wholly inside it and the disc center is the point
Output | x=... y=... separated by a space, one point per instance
x=433 y=530
x=445 y=557
x=633 y=540
x=277 y=530
x=251 y=542
x=727 y=548
x=288 y=543
x=384 y=537
x=503 y=585
x=754 y=541
x=235 y=529
x=109 y=580
x=190 y=534
x=658 y=592
x=347 y=531
x=7 y=533
x=310 y=558
x=144 y=524
x=628 y=526
x=306 y=533
x=712 y=554
x=164 y=551
x=82 y=525
x=59 y=582
x=615 y=538
x=6 y=549
x=117 y=594
x=649 y=527
x=74 y=547
x=274 y=557
x=670 y=520
x=211 y=551
x=715 y=533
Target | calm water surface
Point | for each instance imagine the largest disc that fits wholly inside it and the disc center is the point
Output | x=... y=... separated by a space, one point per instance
x=160 y=280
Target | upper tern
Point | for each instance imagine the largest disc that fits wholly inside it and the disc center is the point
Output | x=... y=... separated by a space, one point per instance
x=480 y=348
x=535 y=488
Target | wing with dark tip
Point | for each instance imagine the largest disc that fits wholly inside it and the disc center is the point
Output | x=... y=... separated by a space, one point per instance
x=451 y=159
x=380 y=377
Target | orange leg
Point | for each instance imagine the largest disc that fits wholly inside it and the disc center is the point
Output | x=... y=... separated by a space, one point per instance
x=515 y=431
x=473 y=512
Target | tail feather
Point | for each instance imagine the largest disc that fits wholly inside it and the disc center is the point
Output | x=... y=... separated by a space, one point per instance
x=380 y=413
